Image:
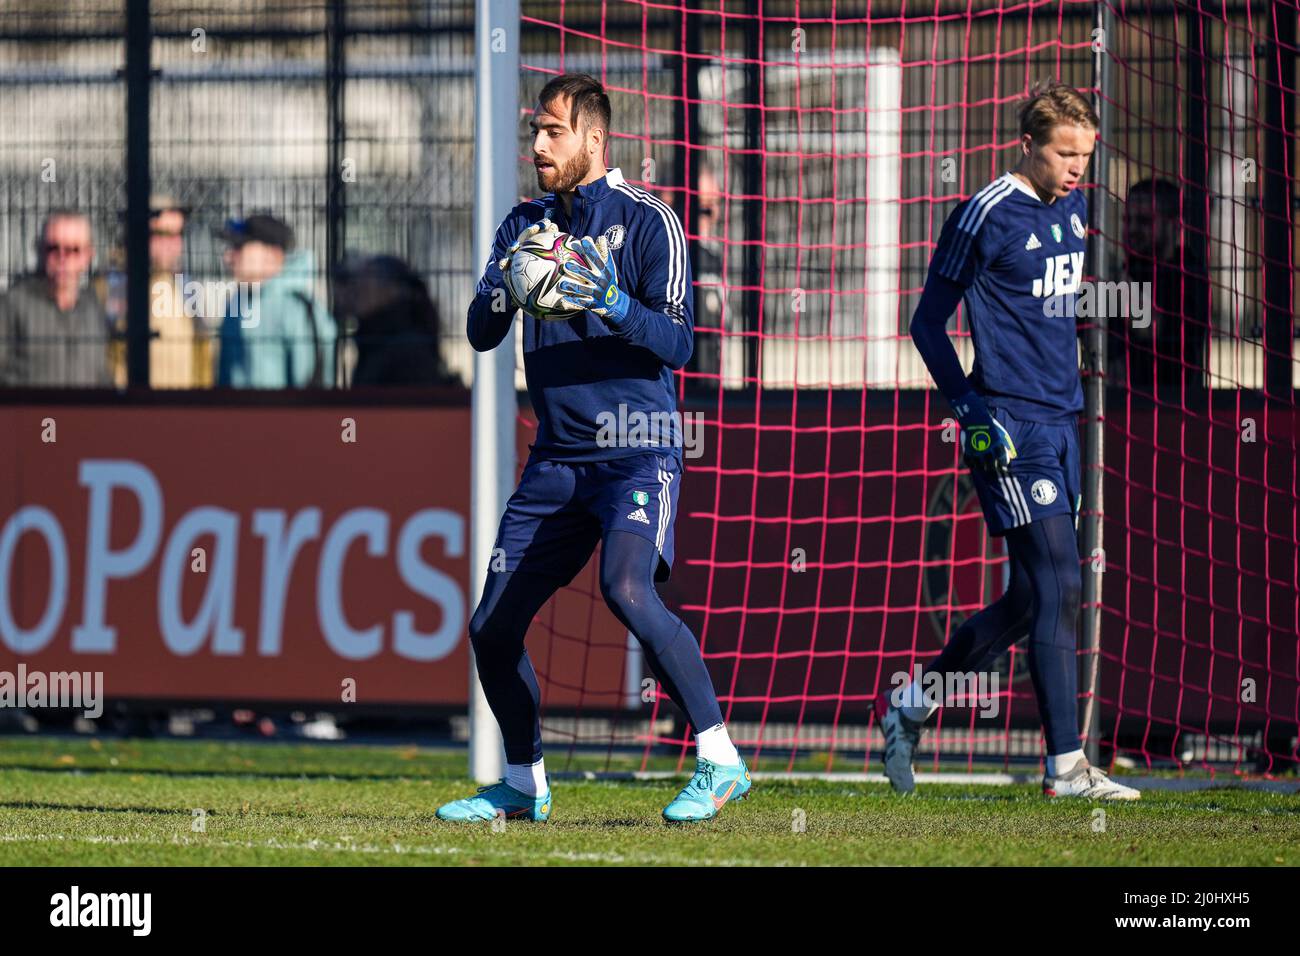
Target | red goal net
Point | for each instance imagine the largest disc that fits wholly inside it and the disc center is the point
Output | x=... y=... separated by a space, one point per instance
x=828 y=539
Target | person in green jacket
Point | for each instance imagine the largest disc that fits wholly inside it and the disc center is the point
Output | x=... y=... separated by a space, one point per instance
x=274 y=334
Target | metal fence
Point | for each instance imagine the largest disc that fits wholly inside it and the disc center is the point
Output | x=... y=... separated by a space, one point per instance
x=353 y=121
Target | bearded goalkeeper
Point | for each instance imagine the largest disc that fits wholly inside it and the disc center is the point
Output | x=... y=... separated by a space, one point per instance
x=581 y=486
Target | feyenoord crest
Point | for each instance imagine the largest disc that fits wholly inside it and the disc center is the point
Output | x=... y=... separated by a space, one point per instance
x=1076 y=224
x=615 y=235
x=1056 y=231
x=640 y=497
x=1043 y=491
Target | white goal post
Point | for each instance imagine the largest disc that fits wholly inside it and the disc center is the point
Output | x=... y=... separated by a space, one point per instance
x=492 y=459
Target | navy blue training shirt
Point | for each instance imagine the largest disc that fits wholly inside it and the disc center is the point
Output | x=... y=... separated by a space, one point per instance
x=580 y=371
x=1011 y=253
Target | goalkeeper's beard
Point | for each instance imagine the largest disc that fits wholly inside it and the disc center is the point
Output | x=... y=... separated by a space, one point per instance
x=566 y=178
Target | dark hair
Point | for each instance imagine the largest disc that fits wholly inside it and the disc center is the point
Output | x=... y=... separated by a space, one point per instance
x=1164 y=194
x=422 y=310
x=589 y=102
x=413 y=307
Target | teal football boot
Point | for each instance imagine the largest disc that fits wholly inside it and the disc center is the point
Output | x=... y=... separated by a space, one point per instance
x=498 y=799
x=712 y=786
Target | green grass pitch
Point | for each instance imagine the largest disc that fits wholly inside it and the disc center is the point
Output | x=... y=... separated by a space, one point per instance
x=78 y=802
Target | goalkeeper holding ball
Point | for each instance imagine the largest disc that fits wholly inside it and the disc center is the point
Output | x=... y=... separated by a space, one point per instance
x=1015 y=252
x=581 y=486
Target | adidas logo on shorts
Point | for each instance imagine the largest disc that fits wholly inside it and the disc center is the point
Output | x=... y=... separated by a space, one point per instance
x=639 y=515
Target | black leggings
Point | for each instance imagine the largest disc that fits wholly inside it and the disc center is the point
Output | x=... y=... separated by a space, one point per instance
x=512 y=599
x=1042 y=601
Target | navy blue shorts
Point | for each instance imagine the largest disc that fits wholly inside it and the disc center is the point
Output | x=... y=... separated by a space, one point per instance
x=561 y=510
x=1044 y=479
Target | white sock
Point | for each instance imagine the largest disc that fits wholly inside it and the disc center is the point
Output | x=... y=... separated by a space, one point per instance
x=715 y=744
x=529 y=778
x=1063 y=763
x=914 y=707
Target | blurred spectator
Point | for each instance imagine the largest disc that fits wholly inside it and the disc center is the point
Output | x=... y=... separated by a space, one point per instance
x=1170 y=350
x=180 y=348
x=707 y=267
x=274 y=334
x=53 y=331
x=397 y=323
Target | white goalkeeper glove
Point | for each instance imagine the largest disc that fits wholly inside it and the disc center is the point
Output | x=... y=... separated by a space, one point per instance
x=503 y=264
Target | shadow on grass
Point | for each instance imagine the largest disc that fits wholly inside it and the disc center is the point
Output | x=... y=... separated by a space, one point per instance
x=86 y=808
x=338 y=819
x=232 y=772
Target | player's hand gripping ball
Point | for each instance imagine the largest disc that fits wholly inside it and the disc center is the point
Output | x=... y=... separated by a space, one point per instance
x=534 y=266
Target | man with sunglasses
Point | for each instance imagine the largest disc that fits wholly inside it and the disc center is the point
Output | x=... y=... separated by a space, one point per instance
x=53 y=331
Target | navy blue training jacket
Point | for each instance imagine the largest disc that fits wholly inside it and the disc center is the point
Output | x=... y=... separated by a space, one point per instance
x=581 y=371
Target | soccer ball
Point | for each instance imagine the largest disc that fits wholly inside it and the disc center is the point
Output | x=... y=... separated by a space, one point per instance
x=533 y=277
